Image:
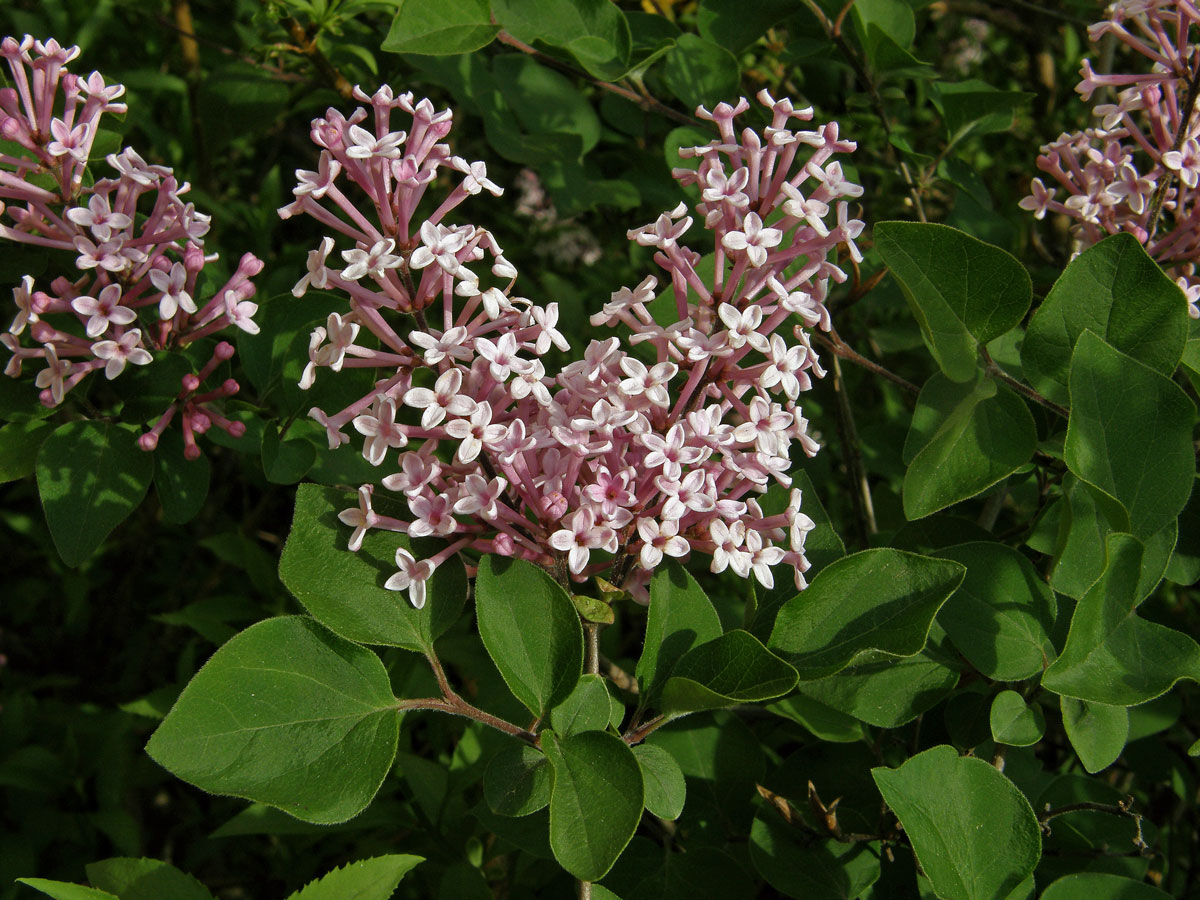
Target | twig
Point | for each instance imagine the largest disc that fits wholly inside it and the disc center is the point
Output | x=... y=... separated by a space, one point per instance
x=999 y=374
x=643 y=101
x=1124 y=808
x=860 y=490
x=1160 y=195
x=840 y=348
x=451 y=702
x=307 y=46
x=618 y=676
x=637 y=735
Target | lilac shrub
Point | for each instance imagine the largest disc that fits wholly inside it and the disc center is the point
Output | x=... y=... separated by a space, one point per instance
x=1138 y=170
x=138 y=247
x=657 y=440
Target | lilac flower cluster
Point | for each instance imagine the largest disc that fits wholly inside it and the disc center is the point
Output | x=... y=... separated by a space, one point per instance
x=137 y=246
x=1147 y=134
x=647 y=447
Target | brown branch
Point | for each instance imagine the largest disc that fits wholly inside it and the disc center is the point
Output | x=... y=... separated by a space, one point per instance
x=844 y=351
x=1160 y=195
x=644 y=101
x=450 y=702
x=1124 y=808
x=994 y=371
x=307 y=46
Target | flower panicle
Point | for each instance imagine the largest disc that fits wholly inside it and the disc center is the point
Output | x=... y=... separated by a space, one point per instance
x=1138 y=168
x=137 y=246
x=655 y=441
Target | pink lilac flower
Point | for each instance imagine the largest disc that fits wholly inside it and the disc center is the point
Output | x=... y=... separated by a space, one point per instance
x=1138 y=169
x=654 y=441
x=135 y=247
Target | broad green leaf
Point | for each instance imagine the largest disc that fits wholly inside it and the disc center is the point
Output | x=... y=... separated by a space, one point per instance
x=366 y=879
x=145 y=879
x=1130 y=434
x=64 y=890
x=544 y=101
x=681 y=616
x=825 y=723
x=733 y=668
x=1101 y=886
x=285 y=461
x=1086 y=520
x=973 y=831
x=344 y=590
x=595 y=32
x=798 y=866
x=517 y=781
x=962 y=291
x=700 y=73
x=973 y=108
x=666 y=789
x=882 y=690
x=1184 y=565
x=1001 y=616
x=289 y=714
x=19 y=445
x=971 y=435
x=1013 y=722
x=894 y=17
x=181 y=483
x=1113 y=655
x=596 y=801
x=1097 y=731
x=735 y=25
x=530 y=629
x=1115 y=290
x=821 y=547
x=90 y=475
x=586 y=708
x=440 y=27
x=879 y=599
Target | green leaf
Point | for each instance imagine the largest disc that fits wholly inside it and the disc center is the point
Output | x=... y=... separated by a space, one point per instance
x=285 y=461
x=181 y=483
x=965 y=437
x=1101 y=886
x=1184 y=564
x=894 y=17
x=1013 y=722
x=19 y=445
x=798 y=866
x=1130 y=434
x=595 y=32
x=531 y=631
x=586 y=708
x=1097 y=731
x=1001 y=616
x=344 y=591
x=825 y=723
x=63 y=890
x=440 y=27
x=289 y=714
x=1115 y=290
x=700 y=73
x=735 y=25
x=666 y=788
x=681 y=616
x=1086 y=520
x=882 y=690
x=91 y=475
x=366 y=879
x=962 y=291
x=544 y=101
x=517 y=781
x=880 y=599
x=1113 y=655
x=595 y=803
x=973 y=831
x=733 y=668
x=973 y=108
x=145 y=879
